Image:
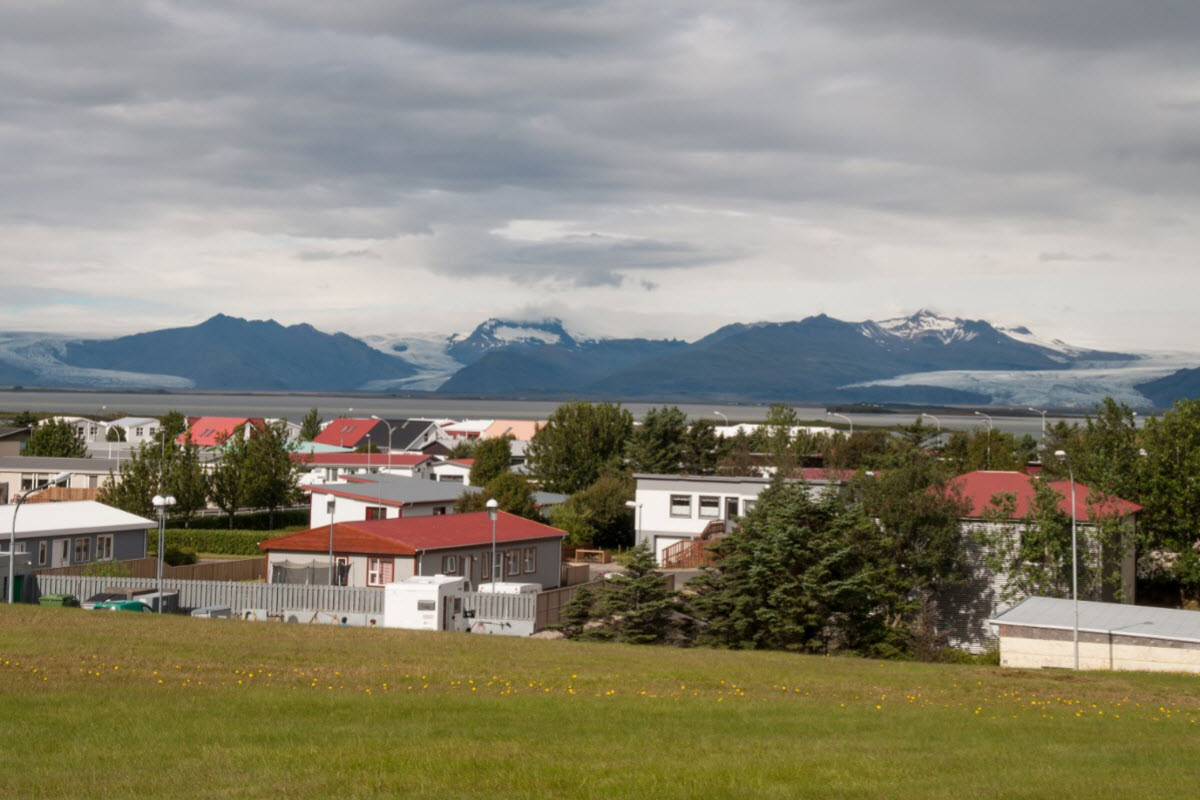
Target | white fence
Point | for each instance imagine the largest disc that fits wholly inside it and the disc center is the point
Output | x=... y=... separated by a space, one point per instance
x=487 y=605
x=198 y=594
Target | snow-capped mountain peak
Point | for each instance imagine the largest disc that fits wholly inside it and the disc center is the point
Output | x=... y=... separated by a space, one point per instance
x=927 y=323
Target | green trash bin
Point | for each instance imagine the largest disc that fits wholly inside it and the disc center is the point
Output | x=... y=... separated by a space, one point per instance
x=58 y=600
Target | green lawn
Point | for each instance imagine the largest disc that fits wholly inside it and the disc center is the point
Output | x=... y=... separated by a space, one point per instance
x=114 y=705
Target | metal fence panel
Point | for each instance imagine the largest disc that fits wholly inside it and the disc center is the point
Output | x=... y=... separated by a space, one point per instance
x=489 y=605
x=198 y=594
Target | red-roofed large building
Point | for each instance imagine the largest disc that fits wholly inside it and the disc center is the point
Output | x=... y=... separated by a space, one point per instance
x=212 y=431
x=411 y=435
x=378 y=552
x=966 y=609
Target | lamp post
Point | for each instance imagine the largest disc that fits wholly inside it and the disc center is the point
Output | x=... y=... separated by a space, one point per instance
x=722 y=416
x=1074 y=565
x=161 y=504
x=989 y=443
x=492 y=513
x=330 y=506
x=12 y=536
x=936 y=421
x=1043 y=413
x=637 y=519
x=390 y=429
x=842 y=416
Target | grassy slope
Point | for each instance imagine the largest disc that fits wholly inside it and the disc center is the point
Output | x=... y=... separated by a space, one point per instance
x=97 y=704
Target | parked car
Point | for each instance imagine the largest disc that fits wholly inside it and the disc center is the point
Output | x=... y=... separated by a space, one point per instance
x=121 y=605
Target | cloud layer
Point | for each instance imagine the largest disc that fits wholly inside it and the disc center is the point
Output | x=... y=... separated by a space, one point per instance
x=636 y=168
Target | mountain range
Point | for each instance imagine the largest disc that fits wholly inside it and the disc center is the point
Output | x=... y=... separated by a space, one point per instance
x=816 y=359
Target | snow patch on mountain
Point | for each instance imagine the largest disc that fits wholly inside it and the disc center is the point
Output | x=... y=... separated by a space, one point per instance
x=926 y=323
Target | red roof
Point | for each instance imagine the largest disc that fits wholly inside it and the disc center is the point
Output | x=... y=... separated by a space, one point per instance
x=211 y=431
x=347 y=432
x=410 y=535
x=979 y=487
x=822 y=474
x=361 y=459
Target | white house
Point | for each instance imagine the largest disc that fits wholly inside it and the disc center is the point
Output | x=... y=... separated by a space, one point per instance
x=454 y=471
x=670 y=509
x=137 y=429
x=91 y=430
x=19 y=474
x=330 y=467
x=382 y=497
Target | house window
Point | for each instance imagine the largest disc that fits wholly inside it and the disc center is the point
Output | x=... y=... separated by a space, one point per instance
x=514 y=562
x=83 y=549
x=138 y=432
x=439 y=511
x=43 y=551
x=380 y=571
x=22 y=547
x=93 y=481
x=485 y=568
x=449 y=565
x=104 y=547
x=710 y=507
x=748 y=506
x=341 y=575
x=451 y=479
x=376 y=512
x=530 y=559
x=681 y=505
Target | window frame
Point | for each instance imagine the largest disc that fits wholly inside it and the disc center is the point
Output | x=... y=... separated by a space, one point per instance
x=83 y=543
x=104 y=547
x=715 y=501
x=449 y=565
x=512 y=558
x=673 y=504
x=529 y=557
x=43 y=552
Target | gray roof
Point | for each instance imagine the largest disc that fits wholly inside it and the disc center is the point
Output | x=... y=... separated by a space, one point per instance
x=44 y=464
x=1127 y=620
x=549 y=498
x=6 y=432
x=396 y=489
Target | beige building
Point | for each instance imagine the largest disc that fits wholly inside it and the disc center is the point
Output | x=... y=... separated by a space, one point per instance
x=1039 y=632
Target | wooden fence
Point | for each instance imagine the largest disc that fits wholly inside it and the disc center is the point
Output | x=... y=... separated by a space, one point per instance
x=59 y=494
x=234 y=569
x=573 y=574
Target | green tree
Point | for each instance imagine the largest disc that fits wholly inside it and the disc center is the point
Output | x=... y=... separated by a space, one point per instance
x=702 y=449
x=56 y=438
x=778 y=440
x=23 y=419
x=580 y=440
x=1033 y=553
x=492 y=458
x=513 y=493
x=140 y=478
x=634 y=607
x=229 y=478
x=310 y=426
x=598 y=515
x=185 y=480
x=1170 y=492
x=738 y=459
x=270 y=470
x=463 y=448
x=657 y=445
x=171 y=427
x=115 y=434
x=805 y=574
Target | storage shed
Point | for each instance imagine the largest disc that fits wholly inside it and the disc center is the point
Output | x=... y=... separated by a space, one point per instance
x=1038 y=632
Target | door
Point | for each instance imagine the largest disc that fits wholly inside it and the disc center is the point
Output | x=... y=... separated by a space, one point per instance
x=731 y=508
x=60 y=554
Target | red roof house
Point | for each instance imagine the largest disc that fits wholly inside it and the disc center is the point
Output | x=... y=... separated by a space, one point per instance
x=212 y=431
x=979 y=487
x=453 y=544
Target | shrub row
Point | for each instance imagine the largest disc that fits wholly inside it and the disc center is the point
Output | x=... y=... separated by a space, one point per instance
x=252 y=521
x=226 y=542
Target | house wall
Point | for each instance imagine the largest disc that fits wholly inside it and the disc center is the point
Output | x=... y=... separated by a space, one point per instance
x=126 y=545
x=18 y=481
x=451 y=473
x=12 y=446
x=352 y=510
x=402 y=565
x=963 y=610
x=547 y=569
x=1034 y=648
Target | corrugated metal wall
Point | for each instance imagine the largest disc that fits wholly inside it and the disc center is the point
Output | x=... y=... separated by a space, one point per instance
x=198 y=594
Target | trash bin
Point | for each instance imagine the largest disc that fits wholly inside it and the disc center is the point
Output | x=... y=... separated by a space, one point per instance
x=58 y=600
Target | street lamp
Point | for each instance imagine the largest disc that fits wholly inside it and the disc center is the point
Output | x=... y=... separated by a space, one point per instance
x=492 y=507
x=1074 y=566
x=989 y=443
x=390 y=429
x=1043 y=413
x=722 y=416
x=12 y=536
x=936 y=421
x=161 y=504
x=637 y=519
x=330 y=505
x=843 y=416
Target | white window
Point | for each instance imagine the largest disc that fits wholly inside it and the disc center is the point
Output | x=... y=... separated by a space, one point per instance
x=514 y=562
x=43 y=551
x=379 y=571
x=83 y=549
x=138 y=432
x=104 y=547
x=485 y=568
x=748 y=506
x=681 y=505
x=530 y=559
x=22 y=547
x=710 y=507
x=449 y=565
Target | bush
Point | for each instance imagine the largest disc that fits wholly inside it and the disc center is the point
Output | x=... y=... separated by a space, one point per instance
x=253 y=521
x=222 y=542
x=177 y=556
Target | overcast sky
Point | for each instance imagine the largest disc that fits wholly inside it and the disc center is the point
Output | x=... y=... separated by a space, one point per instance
x=650 y=168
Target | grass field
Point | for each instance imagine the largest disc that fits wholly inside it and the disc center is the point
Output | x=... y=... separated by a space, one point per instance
x=115 y=705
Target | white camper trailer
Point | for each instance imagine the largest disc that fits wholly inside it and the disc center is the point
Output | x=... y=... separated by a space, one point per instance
x=508 y=587
x=425 y=602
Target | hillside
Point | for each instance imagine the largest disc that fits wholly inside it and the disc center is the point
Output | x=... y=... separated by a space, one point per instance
x=232 y=709
x=230 y=353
